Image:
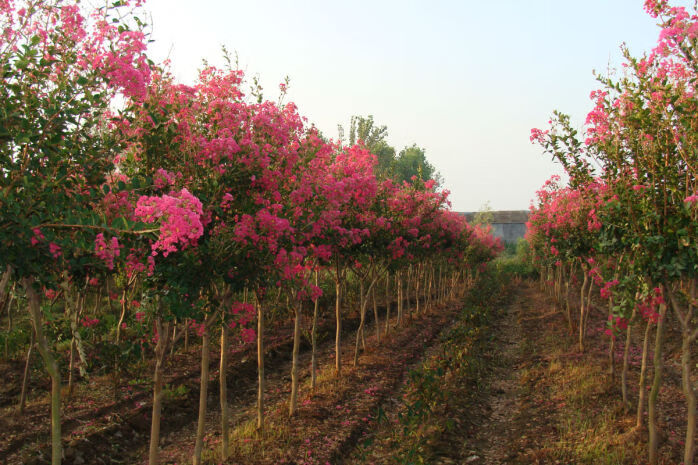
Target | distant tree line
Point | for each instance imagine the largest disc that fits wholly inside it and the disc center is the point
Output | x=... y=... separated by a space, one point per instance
x=399 y=166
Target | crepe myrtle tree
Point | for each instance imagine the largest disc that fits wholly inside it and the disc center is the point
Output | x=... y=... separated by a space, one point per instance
x=640 y=132
x=61 y=66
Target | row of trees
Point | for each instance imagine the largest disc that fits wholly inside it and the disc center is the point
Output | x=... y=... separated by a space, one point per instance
x=193 y=204
x=627 y=221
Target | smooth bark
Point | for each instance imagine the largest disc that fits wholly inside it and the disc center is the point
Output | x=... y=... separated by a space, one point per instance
x=163 y=330
x=338 y=333
x=639 y=420
x=688 y=336
x=375 y=316
x=626 y=361
x=223 y=386
x=203 y=396
x=582 y=310
x=34 y=305
x=260 y=365
x=387 y=302
x=313 y=341
x=656 y=384
x=292 y=405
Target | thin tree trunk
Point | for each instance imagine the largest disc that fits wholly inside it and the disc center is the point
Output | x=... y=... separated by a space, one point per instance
x=313 y=339
x=158 y=383
x=116 y=375
x=688 y=337
x=398 y=278
x=338 y=334
x=587 y=311
x=417 y=287
x=25 y=378
x=223 y=385
x=375 y=316
x=362 y=316
x=626 y=357
x=639 y=420
x=122 y=315
x=4 y=281
x=690 y=393
x=568 y=307
x=582 y=311
x=387 y=302
x=174 y=338
x=612 y=342
x=656 y=384
x=34 y=304
x=407 y=291
x=71 y=368
x=292 y=405
x=10 y=297
x=260 y=366
x=203 y=396
x=428 y=276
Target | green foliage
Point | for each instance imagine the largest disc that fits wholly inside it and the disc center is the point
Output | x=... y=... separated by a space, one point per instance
x=412 y=161
x=484 y=216
x=173 y=393
x=15 y=342
x=516 y=260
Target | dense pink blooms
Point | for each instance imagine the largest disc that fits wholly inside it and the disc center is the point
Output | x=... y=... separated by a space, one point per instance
x=88 y=322
x=179 y=215
x=163 y=178
x=607 y=289
x=107 y=251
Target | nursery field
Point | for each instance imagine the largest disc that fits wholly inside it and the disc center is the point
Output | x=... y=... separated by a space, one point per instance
x=194 y=272
x=492 y=376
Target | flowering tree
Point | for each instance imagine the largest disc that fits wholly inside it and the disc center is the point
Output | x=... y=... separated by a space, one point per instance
x=61 y=65
x=641 y=133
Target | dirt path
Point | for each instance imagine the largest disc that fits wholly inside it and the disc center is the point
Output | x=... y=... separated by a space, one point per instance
x=497 y=429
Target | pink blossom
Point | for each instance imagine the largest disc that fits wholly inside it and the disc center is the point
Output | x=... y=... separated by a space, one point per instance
x=107 y=252
x=37 y=236
x=54 y=249
x=248 y=335
x=163 y=178
x=88 y=322
x=179 y=215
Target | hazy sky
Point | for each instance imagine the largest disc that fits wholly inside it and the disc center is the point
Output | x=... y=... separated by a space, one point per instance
x=465 y=80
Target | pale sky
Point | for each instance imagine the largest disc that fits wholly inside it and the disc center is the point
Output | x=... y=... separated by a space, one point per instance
x=465 y=80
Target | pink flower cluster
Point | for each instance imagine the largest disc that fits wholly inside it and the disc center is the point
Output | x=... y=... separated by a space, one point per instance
x=37 y=236
x=179 y=215
x=107 y=251
x=88 y=322
x=607 y=289
x=163 y=179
